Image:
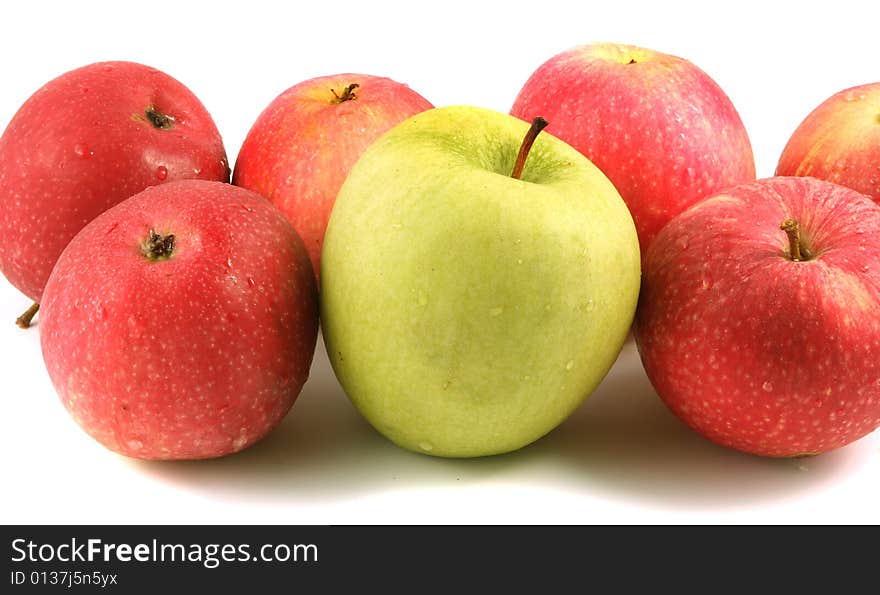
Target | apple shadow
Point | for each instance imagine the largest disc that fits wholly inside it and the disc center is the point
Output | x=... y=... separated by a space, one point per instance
x=323 y=450
x=622 y=445
x=625 y=443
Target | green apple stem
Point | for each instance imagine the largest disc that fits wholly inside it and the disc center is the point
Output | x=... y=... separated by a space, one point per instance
x=158 y=246
x=24 y=321
x=347 y=94
x=538 y=124
x=797 y=250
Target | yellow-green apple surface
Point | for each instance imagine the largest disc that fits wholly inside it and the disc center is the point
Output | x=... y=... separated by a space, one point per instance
x=659 y=127
x=839 y=141
x=301 y=148
x=469 y=308
x=759 y=318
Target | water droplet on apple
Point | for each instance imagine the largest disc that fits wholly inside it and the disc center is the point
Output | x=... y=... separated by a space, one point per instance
x=247 y=208
x=101 y=313
x=423 y=299
x=493 y=312
x=229 y=262
x=519 y=261
x=251 y=282
x=161 y=172
x=767 y=387
x=82 y=151
x=706 y=280
x=682 y=242
x=591 y=305
x=197 y=171
x=569 y=365
x=426 y=446
x=547 y=307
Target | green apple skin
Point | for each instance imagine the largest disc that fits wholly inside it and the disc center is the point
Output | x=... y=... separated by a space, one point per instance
x=465 y=312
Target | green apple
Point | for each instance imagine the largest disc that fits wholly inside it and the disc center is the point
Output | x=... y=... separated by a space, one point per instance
x=467 y=312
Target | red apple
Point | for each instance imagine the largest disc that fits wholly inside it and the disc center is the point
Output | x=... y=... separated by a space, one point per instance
x=181 y=323
x=761 y=338
x=301 y=148
x=839 y=141
x=85 y=141
x=658 y=126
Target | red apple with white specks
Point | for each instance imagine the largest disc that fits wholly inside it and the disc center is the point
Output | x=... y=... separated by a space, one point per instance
x=839 y=141
x=181 y=323
x=759 y=318
x=86 y=141
x=659 y=127
x=303 y=145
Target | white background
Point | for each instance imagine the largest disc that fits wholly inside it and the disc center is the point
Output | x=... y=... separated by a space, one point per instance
x=621 y=458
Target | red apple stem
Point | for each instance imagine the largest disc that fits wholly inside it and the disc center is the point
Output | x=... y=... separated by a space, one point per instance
x=158 y=119
x=24 y=321
x=797 y=250
x=158 y=246
x=538 y=124
x=347 y=93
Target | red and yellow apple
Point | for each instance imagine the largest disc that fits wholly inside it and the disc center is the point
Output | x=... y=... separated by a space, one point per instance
x=301 y=148
x=181 y=323
x=839 y=141
x=86 y=141
x=659 y=127
x=759 y=317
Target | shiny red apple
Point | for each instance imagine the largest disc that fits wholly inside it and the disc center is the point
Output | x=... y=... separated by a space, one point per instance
x=839 y=141
x=659 y=127
x=759 y=318
x=181 y=323
x=301 y=148
x=84 y=142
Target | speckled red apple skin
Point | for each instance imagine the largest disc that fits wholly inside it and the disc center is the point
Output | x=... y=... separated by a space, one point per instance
x=754 y=350
x=839 y=141
x=80 y=145
x=302 y=146
x=660 y=128
x=196 y=356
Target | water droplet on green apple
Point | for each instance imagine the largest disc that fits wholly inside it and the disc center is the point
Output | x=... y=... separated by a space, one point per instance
x=496 y=311
x=426 y=446
x=591 y=305
x=569 y=365
x=519 y=261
